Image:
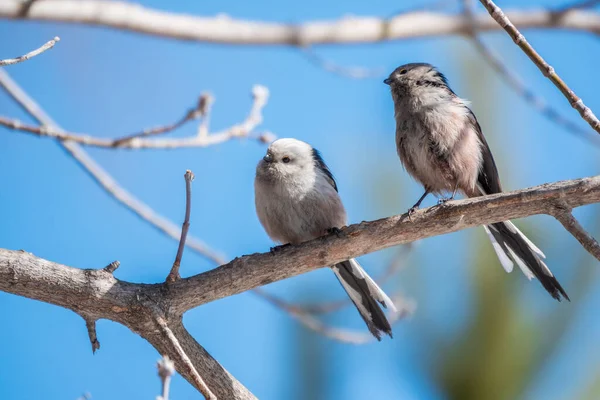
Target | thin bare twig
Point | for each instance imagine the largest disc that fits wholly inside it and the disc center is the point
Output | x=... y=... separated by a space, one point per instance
x=565 y=216
x=33 y=53
x=174 y=274
x=184 y=359
x=166 y=369
x=549 y=72
x=516 y=83
x=200 y=111
x=260 y=96
x=189 y=116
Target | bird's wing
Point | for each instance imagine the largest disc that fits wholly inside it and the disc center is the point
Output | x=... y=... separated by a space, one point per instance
x=488 y=179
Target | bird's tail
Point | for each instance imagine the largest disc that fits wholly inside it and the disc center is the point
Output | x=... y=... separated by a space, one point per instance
x=511 y=245
x=364 y=293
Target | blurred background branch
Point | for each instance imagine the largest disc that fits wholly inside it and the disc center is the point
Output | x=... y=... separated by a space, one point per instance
x=227 y=30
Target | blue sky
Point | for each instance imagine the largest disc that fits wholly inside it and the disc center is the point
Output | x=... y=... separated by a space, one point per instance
x=110 y=83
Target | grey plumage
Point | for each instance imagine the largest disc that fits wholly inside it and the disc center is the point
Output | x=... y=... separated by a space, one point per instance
x=441 y=145
x=296 y=200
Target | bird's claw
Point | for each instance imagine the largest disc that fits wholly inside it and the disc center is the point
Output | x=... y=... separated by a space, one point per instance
x=444 y=200
x=335 y=230
x=411 y=211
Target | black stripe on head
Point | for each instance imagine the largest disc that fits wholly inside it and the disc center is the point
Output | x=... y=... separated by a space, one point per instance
x=440 y=76
x=320 y=164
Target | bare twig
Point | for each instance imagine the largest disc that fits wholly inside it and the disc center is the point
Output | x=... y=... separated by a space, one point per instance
x=166 y=369
x=260 y=96
x=33 y=53
x=91 y=328
x=189 y=116
x=174 y=274
x=184 y=359
x=549 y=72
x=570 y=223
x=516 y=83
x=225 y=29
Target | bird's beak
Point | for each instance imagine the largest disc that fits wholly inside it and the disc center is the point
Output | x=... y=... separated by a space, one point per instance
x=268 y=158
x=387 y=81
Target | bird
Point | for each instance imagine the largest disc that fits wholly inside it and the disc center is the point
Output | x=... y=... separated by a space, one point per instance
x=296 y=199
x=441 y=145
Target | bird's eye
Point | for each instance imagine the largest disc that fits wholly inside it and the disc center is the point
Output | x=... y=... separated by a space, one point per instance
x=403 y=71
x=285 y=160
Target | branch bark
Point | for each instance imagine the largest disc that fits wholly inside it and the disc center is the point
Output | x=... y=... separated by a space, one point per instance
x=98 y=294
x=227 y=30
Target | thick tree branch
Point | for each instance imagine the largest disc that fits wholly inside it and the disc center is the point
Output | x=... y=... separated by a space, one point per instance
x=225 y=29
x=33 y=53
x=98 y=294
x=576 y=102
x=248 y=272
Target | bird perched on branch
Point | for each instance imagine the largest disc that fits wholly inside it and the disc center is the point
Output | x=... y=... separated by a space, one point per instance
x=296 y=200
x=441 y=145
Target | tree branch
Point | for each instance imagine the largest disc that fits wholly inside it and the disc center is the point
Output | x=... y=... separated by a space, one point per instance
x=260 y=95
x=228 y=30
x=566 y=218
x=184 y=359
x=174 y=274
x=546 y=69
x=248 y=272
x=517 y=84
x=98 y=294
x=31 y=54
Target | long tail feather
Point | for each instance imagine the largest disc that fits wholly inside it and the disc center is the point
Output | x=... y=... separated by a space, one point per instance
x=365 y=294
x=511 y=245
